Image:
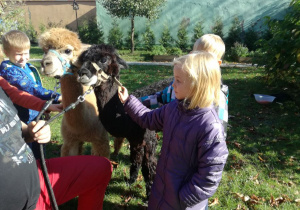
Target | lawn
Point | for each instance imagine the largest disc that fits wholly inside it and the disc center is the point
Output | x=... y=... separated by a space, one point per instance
x=263 y=167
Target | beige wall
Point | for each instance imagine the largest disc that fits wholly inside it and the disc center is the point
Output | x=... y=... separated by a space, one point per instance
x=43 y=12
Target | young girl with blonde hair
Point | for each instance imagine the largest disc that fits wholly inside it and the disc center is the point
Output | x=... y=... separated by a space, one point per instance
x=194 y=150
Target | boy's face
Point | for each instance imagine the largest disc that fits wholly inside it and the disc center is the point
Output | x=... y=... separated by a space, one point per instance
x=18 y=57
x=181 y=83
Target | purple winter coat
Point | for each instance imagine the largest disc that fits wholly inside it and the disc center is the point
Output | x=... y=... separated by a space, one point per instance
x=193 y=153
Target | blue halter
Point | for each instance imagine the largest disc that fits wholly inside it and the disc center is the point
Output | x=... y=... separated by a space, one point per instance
x=64 y=63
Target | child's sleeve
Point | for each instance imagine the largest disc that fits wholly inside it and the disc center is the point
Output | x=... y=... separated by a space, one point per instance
x=21 y=98
x=145 y=117
x=18 y=79
x=212 y=156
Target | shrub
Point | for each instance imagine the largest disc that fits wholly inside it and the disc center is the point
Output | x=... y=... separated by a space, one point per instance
x=148 y=38
x=282 y=49
x=174 y=51
x=234 y=34
x=198 y=32
x=182 y=35
x=251 y=38
x=217 y=28
x=166 y=39
x=90 y=33
x=158 y=50
x=115 y=35
x=238 y=50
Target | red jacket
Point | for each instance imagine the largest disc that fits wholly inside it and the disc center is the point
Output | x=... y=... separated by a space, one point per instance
x=21 y=98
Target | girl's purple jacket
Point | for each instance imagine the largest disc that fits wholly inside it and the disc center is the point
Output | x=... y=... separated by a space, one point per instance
x=193 y=153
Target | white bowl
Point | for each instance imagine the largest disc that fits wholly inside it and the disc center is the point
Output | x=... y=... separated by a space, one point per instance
x=264 y=99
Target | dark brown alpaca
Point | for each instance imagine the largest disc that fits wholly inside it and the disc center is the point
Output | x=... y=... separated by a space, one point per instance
x=143 y=142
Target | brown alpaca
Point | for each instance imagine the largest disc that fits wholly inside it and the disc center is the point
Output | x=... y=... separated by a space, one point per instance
x=61 y=48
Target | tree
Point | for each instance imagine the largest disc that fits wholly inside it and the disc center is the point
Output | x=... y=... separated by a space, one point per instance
x=166 y=39
x=218 y=27
x=90 y=33
x=182 y=35
x=282 y=52
x=131 y=9
x=198 y=31
x=148 y=38
x=115 y=35
x=11 y=15
x=234 y=34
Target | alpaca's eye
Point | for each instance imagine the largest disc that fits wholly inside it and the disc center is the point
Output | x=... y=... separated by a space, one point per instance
x=103 y=60
x=68 y=51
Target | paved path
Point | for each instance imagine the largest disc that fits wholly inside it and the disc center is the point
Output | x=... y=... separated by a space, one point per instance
x=233 y=65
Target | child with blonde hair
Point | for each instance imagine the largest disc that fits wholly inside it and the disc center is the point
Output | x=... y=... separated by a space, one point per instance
x=210 y=43
x=23 y=75
x=194 y=150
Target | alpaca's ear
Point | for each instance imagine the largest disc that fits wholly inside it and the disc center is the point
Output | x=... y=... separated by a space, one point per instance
x=122 y=64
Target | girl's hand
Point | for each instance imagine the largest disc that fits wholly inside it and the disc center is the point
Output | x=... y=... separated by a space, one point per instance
x=38 y=132
x=55 y=108
x=123 y=94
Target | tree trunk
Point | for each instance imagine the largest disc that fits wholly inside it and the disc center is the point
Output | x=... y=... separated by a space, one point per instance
x=132 y=34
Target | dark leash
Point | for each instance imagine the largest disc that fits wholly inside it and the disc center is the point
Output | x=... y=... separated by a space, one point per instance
x=80 y=99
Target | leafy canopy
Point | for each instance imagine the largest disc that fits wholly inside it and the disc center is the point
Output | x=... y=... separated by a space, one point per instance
x=132 y=8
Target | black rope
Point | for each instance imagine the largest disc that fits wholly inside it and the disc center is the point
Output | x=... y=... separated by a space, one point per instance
x=43 y=162
x=80 y=99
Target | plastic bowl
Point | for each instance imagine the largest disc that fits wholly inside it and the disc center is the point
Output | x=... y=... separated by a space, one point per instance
x=264 y=99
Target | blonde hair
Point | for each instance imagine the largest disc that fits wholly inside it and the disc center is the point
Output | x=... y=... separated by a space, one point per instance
x=16 y=40
x=204 y=76
x=210 y=43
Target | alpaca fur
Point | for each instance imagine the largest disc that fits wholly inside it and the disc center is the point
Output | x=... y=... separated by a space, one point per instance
x=142 y=142
x=81 y=124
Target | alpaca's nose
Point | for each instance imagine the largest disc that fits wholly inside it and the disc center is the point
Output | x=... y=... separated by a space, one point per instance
x=84 y=71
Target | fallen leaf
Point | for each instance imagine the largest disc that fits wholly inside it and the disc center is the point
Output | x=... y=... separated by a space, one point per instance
x=260 y=158
x=214 y=202
x=139 y=186
x=115 y=164
x=127 y=199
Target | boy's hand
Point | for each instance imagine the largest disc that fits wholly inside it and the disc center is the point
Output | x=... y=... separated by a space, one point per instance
x=38 y=132
x=123 y=94
x=55 y=108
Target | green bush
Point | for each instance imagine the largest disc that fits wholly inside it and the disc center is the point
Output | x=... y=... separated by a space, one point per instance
x=238 y=50
x=282 y=58
x=158 y=50
x=182 y=35
x=115 y=35
x=174 y=51
x=217 y=28
x=90 y=33
x=166 y=39
x=198 y=32
x=234 y=34
x=251 y=38
x=148 y=38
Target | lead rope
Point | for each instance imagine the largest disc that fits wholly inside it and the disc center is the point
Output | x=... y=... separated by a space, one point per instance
x=80 y=99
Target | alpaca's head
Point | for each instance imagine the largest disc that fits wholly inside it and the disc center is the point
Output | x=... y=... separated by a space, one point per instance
x=104 y=57
x=61 y=48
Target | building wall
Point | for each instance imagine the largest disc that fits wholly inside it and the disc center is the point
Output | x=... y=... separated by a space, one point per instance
x=207 y=11
x=59 y=11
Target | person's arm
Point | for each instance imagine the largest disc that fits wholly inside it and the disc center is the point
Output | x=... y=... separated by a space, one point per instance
x=20 y=80
x=25 y=99
x=212 y=156
x=36 y=132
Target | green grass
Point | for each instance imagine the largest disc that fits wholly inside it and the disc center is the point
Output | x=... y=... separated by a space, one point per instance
x=263 y=167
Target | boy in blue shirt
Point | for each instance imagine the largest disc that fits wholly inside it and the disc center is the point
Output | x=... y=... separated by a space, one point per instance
x=23 y=75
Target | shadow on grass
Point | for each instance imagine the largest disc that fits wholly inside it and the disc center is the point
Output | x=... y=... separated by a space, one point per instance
x=268 y=132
